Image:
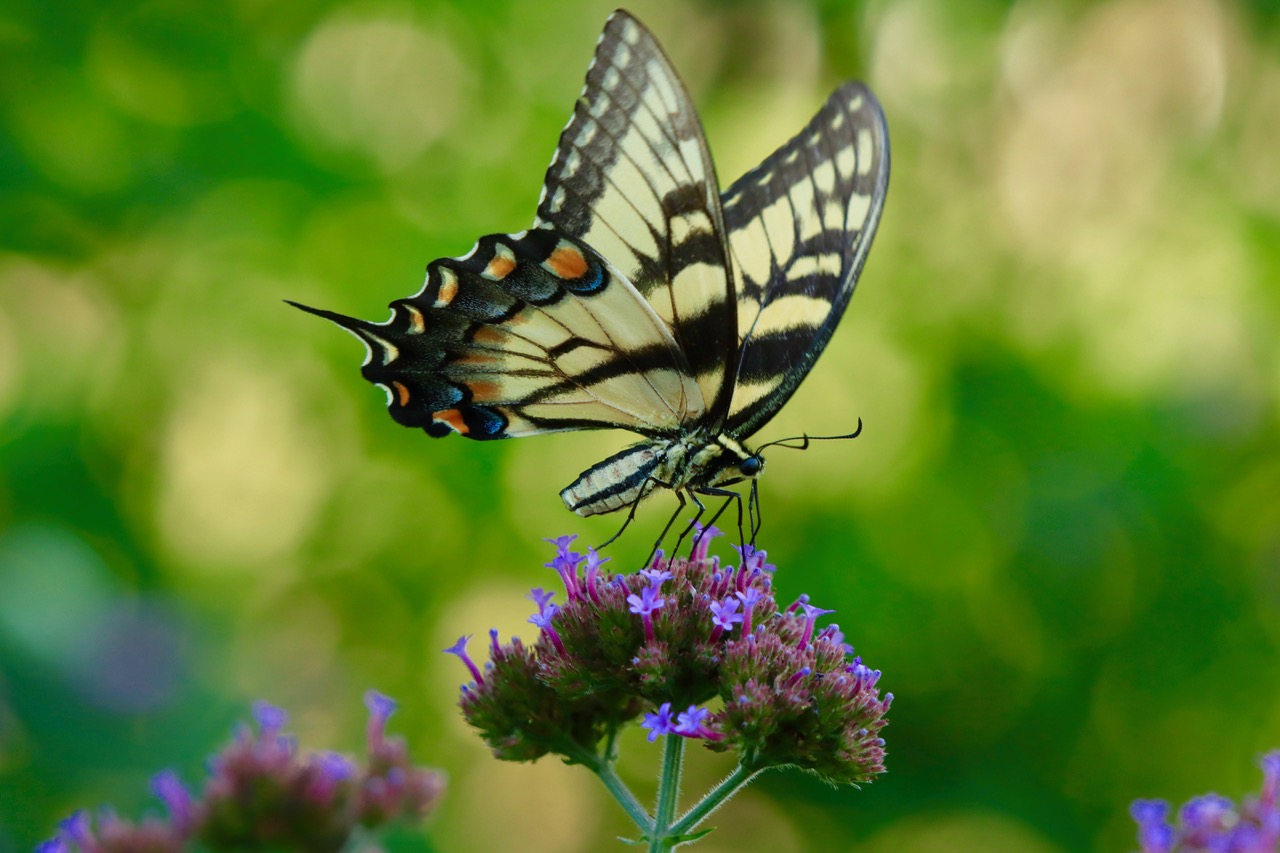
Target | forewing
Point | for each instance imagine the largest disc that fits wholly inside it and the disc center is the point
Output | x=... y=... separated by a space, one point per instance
x=800 y=225
x=632 y=178
x=528 y=333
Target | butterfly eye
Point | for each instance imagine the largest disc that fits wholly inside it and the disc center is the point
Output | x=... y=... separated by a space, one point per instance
x=751 y=466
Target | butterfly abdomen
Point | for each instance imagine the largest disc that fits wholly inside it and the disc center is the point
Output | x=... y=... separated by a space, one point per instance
x=694 y=463
x=622 y=479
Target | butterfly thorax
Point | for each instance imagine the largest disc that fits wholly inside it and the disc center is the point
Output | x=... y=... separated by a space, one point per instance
x=698 y=462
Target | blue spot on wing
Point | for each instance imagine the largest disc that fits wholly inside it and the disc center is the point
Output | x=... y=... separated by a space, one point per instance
x=484 y=423
x=592 y=281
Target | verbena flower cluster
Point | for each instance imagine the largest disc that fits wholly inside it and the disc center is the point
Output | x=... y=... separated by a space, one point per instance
x=701 y=649
x=1214 y=823
x=262 y=794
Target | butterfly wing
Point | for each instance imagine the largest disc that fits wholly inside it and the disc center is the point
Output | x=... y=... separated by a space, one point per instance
x=632 y=178
x=800 y=225
x=528 y=333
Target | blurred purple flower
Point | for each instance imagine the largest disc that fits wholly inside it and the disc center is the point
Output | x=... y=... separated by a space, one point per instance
x=262 y=794
x=1212 y=823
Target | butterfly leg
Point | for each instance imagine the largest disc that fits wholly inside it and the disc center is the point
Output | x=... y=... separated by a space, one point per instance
x=753 y=511
x=666 y=529
x=733 y=496
x=730 y=496
x=710 y=524
x=645 y=491
x=698 y=515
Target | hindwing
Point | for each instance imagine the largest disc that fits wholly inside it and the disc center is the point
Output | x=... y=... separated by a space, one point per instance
x=800 y=225
x=632 y=178
x=528 y=333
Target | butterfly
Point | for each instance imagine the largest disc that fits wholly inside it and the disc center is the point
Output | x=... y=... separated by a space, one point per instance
x=643 y=298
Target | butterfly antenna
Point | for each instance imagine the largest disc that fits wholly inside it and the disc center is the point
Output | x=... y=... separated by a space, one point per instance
x=806 y=438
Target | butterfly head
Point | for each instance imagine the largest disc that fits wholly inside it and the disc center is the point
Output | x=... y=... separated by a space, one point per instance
x=723 y=462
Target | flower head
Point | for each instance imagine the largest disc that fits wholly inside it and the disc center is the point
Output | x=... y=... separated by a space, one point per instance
x=540 y=597
x=261 y=794
x=565 y=562
x=676 y=634
x=76 y=829
x=1270 y=764
x=1212 y=822
x=655 y=576
x=659 y=723
x=592 y=574
x=460 y=649
x=693 y=723
x=381 y=707
x=724 y=615
x=1154 y=832
x=543 y=621
x=270 y=718
x=702 y=537
x=748 y=597
x=562 y=543
x=753 y=559
x=811 y=615
x=169 y=789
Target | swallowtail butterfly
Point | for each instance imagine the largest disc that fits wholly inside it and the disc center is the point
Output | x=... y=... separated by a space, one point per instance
x=643 y=298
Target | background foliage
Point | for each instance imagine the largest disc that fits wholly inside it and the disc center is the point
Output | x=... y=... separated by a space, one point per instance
x=1059 y=535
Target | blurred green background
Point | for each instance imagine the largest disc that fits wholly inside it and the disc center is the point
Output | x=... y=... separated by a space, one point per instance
x=1059 y=535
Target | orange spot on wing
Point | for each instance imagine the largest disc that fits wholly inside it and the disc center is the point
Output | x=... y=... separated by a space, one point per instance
x=567 y=262
x=448 y=288
x=417 y=324
x=477 y=359
x=500 y=267
x=488 y=335
x=453 y=418
x=484 y=392
x=402 y=393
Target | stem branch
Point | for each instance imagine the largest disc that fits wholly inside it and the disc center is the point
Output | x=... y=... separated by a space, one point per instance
x=603 y=767
x=730 y=785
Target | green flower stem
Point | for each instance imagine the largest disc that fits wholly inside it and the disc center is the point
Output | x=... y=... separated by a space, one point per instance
x=660 y=838
x=611 y=746
x=621 y=793
x=730 y=785
x=359 y=839
x=603 y=766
